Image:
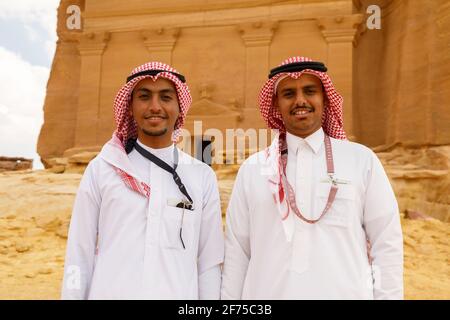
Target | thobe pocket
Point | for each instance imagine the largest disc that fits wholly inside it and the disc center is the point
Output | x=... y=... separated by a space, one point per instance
x=173 y=220
x=342 y=208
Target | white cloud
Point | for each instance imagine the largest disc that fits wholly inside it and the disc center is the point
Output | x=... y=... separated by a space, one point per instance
x=22 y=93
x=23 y=85
x=28 y=9
x=32 y=33
x=50 y=47
x=12 y=7
x=28 y=12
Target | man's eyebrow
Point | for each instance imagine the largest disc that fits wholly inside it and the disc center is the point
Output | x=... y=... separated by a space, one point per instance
x=311 y=86
x=168 y=90
x=307 y=87
x=145 y=90
x=287 y=89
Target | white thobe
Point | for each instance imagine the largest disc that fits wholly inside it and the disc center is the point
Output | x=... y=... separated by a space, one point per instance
x=122 y=245
x=326 y=260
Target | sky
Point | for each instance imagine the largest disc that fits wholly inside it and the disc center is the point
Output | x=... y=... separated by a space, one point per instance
x=27 y=46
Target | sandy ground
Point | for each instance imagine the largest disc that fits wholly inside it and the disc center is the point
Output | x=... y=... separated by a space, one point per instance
x=35 y=209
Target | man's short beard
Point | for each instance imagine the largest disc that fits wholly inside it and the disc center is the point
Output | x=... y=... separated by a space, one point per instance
x=155 y=133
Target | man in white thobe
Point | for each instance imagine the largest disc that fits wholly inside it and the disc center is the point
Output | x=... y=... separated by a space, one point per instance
x=139 y=231
x=304 y=212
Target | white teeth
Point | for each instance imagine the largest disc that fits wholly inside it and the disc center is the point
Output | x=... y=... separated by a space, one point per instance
x=301 y=112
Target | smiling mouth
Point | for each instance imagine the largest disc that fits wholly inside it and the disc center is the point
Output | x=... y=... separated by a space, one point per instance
x=302 y=111
x=155 y=118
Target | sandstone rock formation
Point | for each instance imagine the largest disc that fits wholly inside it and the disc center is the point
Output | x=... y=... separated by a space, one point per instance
x=211 y=42
x=14 y=164
x=420 y=178
x=402 y=93
x=394 y=80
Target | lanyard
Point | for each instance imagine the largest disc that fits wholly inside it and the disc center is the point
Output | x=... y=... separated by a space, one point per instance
x=333 y=188
x=160 y=163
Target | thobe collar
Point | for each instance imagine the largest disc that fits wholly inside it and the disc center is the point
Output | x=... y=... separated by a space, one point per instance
x=165 y=154
x=314 y=141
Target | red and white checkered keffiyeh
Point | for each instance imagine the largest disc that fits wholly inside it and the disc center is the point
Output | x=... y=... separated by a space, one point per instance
x=332 y=124
x=126 y=126
x=332 y=120
x=114 y=150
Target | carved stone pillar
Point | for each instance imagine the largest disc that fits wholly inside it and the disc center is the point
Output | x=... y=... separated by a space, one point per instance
x=257 y=37
x=339 y=33
x=160 y=43
x=91 y=48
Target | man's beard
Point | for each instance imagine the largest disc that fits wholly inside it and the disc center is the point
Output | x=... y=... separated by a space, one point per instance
x=155 y=133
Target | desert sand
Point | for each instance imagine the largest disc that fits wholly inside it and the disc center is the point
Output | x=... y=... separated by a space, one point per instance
x=35 y=210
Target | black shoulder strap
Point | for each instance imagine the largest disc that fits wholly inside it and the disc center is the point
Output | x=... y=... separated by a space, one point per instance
x=160 y=163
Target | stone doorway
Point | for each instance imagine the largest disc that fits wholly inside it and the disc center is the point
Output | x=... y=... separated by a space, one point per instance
x=204 y=149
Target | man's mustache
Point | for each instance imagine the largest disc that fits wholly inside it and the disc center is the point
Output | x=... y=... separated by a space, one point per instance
x=303 y=107
x=161 y=115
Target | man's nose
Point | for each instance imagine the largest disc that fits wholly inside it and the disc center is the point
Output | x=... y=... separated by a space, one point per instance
x=154 y=104
x=300 y=99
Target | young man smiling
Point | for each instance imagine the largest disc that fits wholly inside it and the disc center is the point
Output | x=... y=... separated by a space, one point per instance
x=302 y=211
x=155 y=110
x=300 y=102
x=146 y=222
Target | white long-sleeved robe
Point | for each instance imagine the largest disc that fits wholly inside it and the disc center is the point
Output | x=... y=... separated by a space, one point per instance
x=122 y=245
x=326 y=260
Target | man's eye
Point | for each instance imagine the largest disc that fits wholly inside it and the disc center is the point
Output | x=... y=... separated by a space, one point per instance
x=287 y=94
x=310 y=92
x=143 y=96
x=166 y=98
